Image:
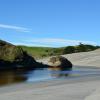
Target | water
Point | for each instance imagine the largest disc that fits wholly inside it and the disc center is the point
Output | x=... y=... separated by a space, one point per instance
x=10 y=77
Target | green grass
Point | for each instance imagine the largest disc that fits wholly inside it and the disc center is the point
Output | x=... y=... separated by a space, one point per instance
x=40 y=52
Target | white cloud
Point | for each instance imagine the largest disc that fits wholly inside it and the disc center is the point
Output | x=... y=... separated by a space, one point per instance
x=21 y=29
x=53 y=42
x=31 y=44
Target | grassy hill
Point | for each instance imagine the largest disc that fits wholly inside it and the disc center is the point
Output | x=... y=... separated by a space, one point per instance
x=41 y=52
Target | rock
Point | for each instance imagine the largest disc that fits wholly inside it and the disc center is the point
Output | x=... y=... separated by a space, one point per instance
x=59 y=62
x=12 y=57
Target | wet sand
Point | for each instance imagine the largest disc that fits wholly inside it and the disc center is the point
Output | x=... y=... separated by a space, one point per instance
x=77 y=88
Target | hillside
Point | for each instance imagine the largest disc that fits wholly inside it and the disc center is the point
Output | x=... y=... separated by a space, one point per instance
x=42 y=52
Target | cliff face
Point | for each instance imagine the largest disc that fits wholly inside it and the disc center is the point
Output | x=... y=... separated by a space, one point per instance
x=12 y=56
x=9 y=52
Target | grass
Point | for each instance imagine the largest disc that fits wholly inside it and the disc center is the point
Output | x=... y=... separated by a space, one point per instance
x=39 y=52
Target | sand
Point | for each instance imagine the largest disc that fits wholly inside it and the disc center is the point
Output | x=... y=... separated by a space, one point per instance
x=72 y=89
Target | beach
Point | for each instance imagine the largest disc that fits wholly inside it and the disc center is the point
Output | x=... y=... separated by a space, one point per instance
x=77 y=88
x=82 y=87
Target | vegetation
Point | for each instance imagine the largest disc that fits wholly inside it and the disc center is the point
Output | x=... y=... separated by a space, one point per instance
x=41 y=52
x=69 y=49
x=85 y=47
x=10 y=52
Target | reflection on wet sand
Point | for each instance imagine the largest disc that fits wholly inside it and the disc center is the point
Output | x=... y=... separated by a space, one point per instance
x=12 y=76
x=57 y=72
x=9 y=77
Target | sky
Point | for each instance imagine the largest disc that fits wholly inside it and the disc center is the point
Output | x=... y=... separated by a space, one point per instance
x=50 y=23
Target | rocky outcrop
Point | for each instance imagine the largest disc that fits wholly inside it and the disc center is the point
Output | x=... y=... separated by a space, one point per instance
x=59 y=62
x=14 y=57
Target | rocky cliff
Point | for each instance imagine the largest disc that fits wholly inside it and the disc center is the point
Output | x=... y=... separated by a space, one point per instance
x=14 y=57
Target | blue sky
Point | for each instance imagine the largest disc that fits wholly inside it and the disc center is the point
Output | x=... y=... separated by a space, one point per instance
x=53 y=23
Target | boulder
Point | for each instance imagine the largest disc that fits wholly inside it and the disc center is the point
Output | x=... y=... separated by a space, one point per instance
x=59 y=62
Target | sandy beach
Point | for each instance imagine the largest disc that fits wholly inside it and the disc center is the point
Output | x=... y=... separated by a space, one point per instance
x=73 y=88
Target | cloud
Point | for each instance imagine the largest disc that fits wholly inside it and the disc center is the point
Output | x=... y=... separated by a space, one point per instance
x=21 y=29
x=53 y=42
x=31 y=44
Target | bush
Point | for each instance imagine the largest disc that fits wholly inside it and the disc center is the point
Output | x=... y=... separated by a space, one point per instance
x=69 y=49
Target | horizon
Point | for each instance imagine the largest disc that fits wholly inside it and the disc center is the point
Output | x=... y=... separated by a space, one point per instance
x=50 y=23
x=47 y=46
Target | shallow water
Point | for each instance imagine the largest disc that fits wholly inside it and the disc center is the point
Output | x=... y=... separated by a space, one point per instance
x=10 y=77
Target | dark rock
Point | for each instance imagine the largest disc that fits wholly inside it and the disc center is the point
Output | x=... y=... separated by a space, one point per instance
x=60 y=63
x=14 y=57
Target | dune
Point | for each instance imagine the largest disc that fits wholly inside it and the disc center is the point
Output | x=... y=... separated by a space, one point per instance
x=91 y=58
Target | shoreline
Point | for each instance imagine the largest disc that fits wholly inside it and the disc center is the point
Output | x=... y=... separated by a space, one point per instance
x=50 y=88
